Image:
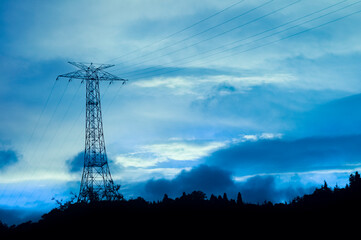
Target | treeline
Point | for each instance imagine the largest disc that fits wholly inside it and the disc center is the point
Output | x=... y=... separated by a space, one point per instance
x=324 y=205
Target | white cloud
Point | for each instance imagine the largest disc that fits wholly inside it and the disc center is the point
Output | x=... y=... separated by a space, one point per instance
x=183 y=150
x=132 y=160
x=175 y=85
x=250 y=137
x=257 y=137
x=178 y=149
x=151 y=155
x=270 y=135
x=202 y=86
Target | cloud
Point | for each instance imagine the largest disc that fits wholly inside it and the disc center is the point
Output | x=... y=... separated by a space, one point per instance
x=258 y=189
x=8 y=158
x=97 y=30
x=153 y=154
x=214 y=180
x=184 y=150
x=258 y=108
x=204 y=178
x=11 y=216
x=203 y=82
x=256 y=137
x=282 y=155
x=76 y=163
x=334 y=118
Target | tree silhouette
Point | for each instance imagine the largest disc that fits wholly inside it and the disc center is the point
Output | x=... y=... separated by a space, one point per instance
x=239 y=199
x=323 y=205
x=355 y=181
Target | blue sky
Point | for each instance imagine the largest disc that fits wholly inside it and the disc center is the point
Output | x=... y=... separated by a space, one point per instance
x=258 y=96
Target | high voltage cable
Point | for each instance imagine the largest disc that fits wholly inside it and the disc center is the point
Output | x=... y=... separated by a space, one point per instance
x=52 y=116
x=206 y=30
x=218 y=35
x=36 y=124
x=180 y=31
x=306 y=30
x=57 y=130
x=78 y=137
x=41 y=114
x=42 y=136
x=241 y=40
x=78 y=117
x=269 y=43
x=232 y=29
x=62 y=120
x=70 y=104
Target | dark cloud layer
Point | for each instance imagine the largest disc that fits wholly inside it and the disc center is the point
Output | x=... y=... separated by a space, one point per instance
x=7 y=158
x=213 y=180
x=268 y=106
x=337 y=117
x=207 y=179
x=279 y=155
x=20 y=215
x=76 y=164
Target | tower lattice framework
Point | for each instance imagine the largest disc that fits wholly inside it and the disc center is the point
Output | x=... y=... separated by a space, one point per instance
x=96 y=183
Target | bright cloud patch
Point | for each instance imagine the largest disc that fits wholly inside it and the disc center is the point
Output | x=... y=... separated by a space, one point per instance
x=191 y=85
x=150 y=155
x=182 y=150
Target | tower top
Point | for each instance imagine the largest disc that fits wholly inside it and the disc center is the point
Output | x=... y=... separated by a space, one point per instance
x=91 y=71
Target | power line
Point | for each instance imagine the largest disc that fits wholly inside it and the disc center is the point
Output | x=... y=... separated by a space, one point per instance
x=41 y=138
x=295 y=34
x=204 y=31
x=36 y=125
x=41 y=115
x=218 y=35
x=269 y=43
x=180 y=31
x=52 y=116
x=241 y=40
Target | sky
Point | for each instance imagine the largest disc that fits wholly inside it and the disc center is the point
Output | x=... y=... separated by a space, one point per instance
x=258 y=97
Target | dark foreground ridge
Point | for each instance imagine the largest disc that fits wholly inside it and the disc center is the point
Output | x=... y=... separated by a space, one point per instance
x=195 y=214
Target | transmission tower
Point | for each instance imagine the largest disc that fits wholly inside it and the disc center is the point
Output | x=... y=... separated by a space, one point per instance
x=96 y=183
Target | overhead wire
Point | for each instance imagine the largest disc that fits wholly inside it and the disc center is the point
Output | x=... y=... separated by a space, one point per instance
x=213 y=37
x=297 y=33
x=26 y=147
x=273 y=34
x=76 y=139
x=199 y=33
x=41 y=140
x=60 y=148
x=40 y=115
x=179 y=31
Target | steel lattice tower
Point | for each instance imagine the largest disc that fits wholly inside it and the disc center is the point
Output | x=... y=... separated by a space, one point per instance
x=96 y=183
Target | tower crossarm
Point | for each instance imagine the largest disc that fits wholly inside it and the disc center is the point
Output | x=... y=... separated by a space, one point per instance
x=105 y=76
x=85 y=66
x=73 y=75
x=91 y=71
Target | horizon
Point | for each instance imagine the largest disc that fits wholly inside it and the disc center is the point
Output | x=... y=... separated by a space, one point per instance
x=257 y=97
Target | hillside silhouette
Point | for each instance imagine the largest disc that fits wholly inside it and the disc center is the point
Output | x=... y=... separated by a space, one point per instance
x=196 y=213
